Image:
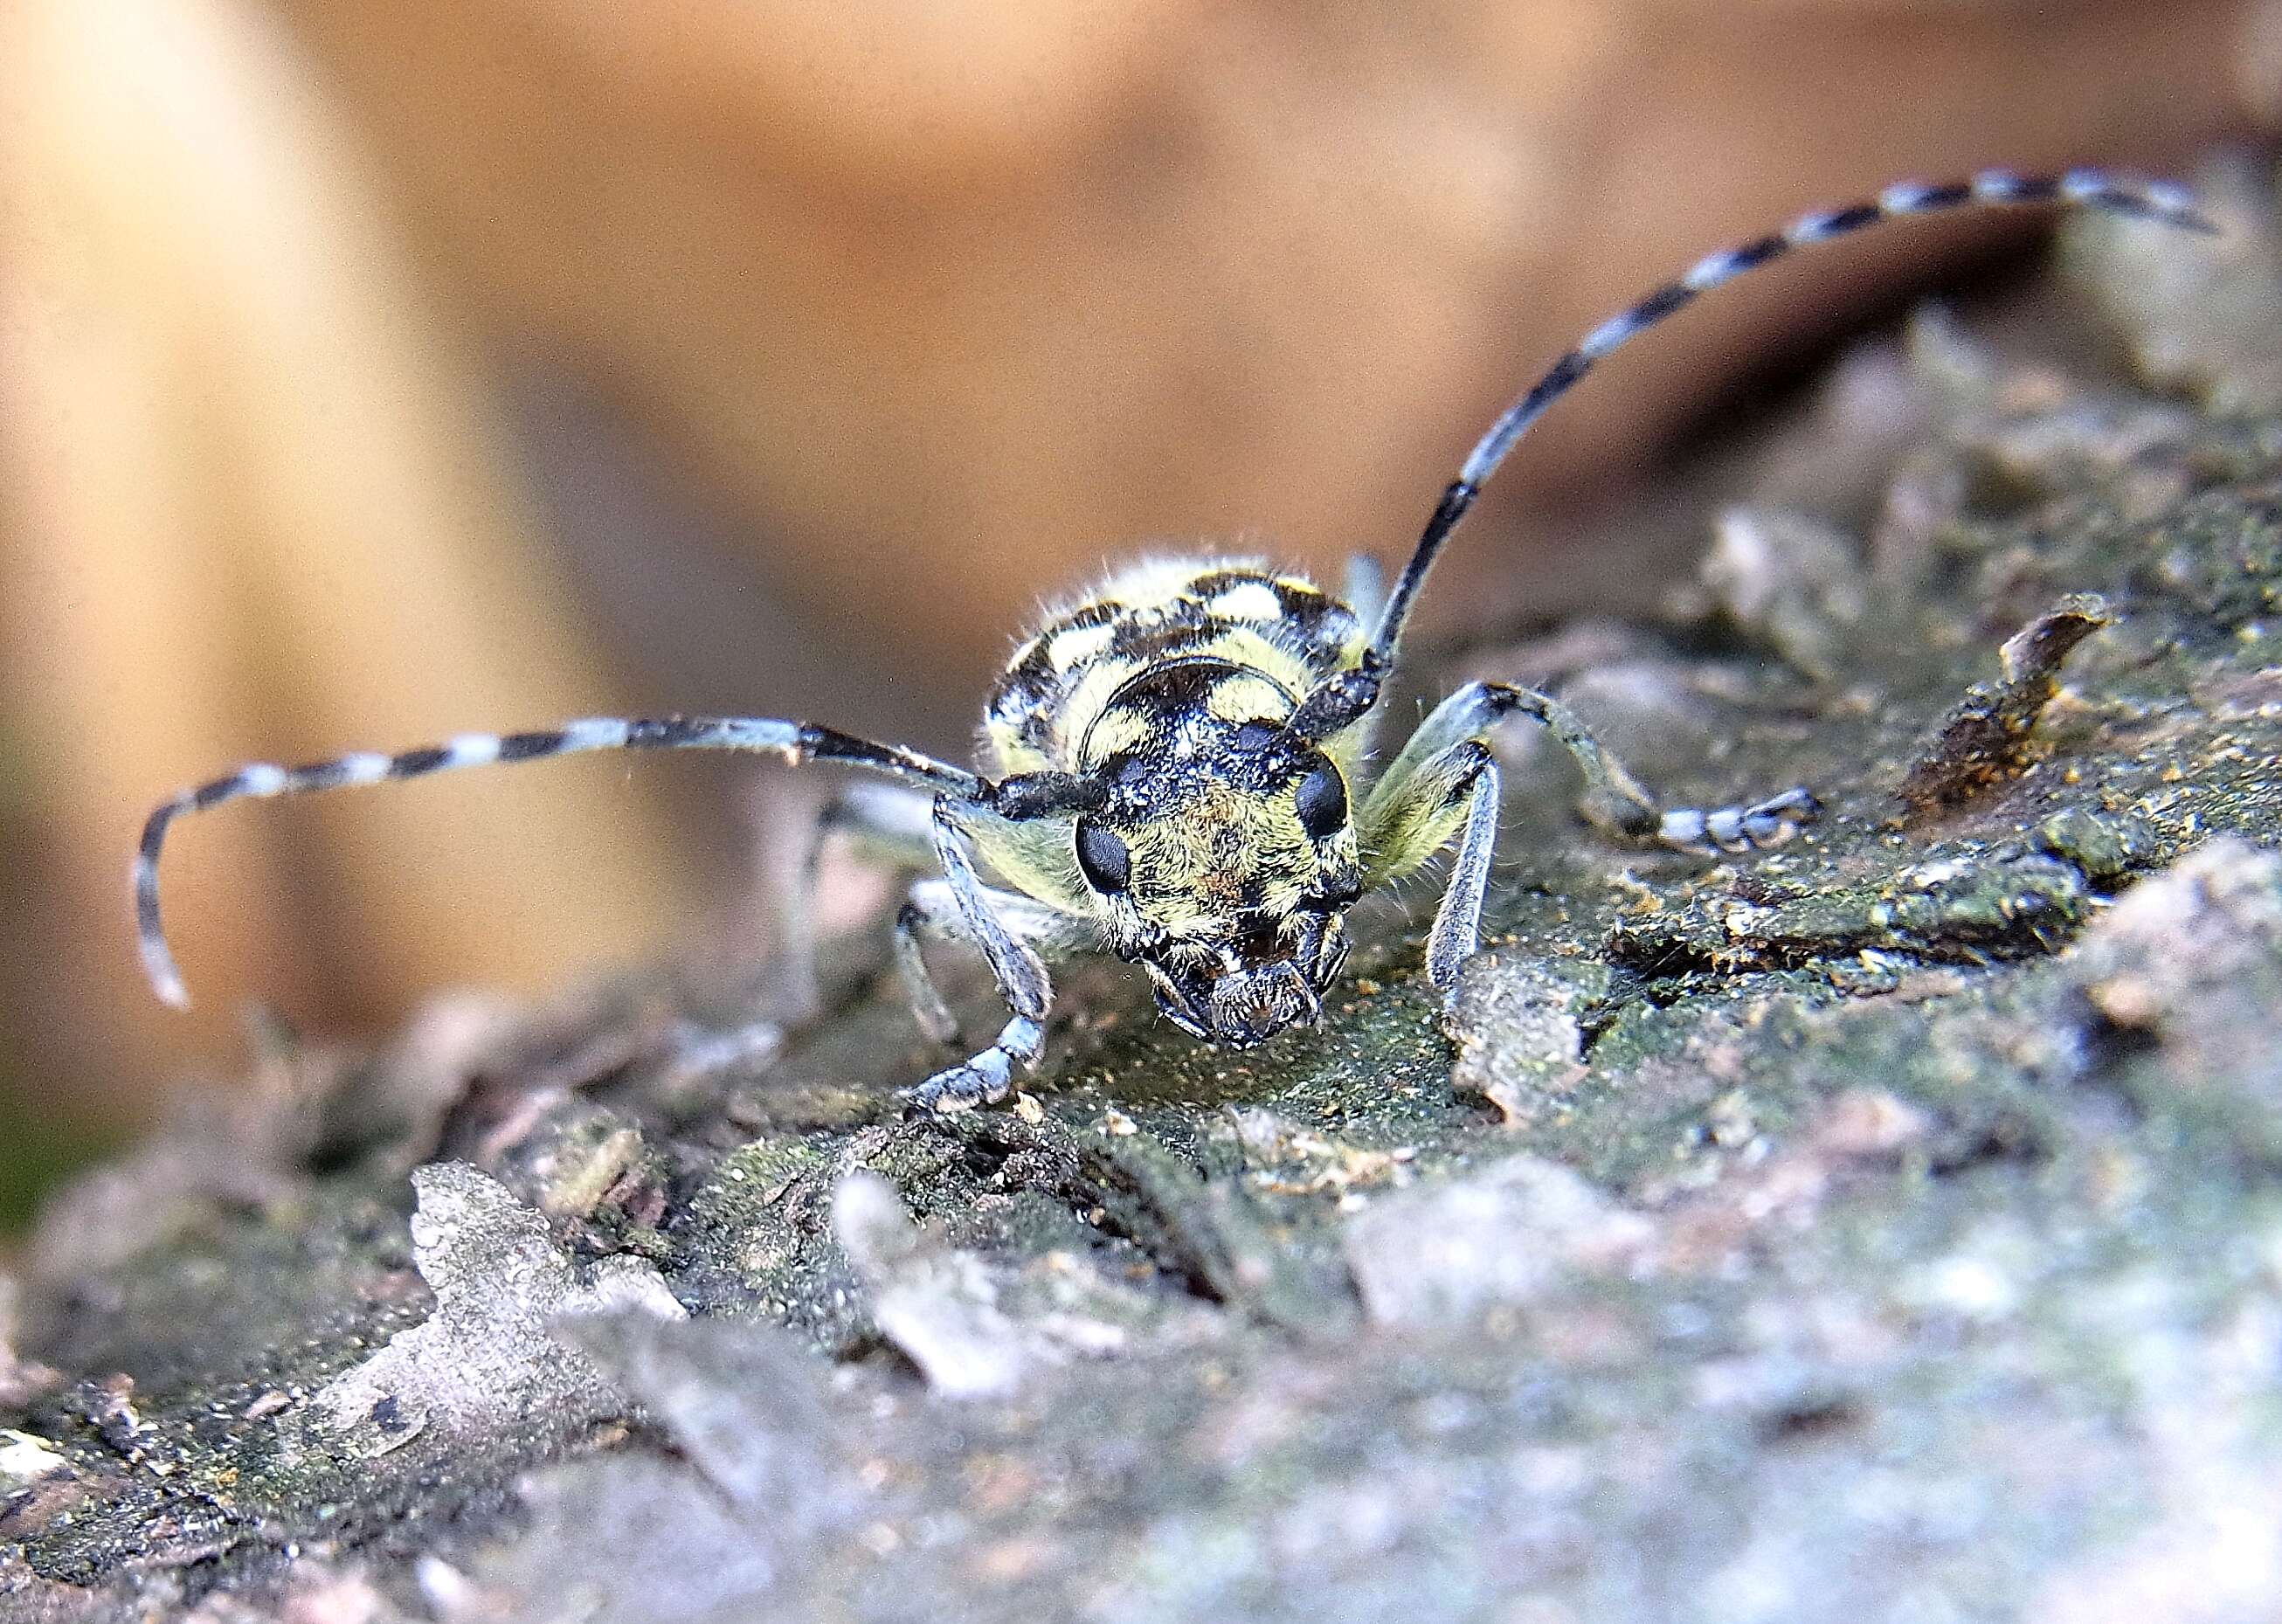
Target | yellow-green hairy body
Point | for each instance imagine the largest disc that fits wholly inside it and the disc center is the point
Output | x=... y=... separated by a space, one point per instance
x=1159 y=681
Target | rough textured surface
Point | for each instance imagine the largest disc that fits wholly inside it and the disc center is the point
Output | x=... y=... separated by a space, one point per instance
x=487 y=1358
x=1887 y=1228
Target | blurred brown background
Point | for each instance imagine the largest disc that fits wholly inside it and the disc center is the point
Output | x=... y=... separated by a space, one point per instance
x=369 y=373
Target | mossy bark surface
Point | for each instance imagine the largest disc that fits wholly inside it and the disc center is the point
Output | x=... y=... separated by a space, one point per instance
x=1886 y=1227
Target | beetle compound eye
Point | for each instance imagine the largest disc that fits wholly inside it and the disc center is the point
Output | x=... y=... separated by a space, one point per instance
x=1102 y=858
x=1321 y=801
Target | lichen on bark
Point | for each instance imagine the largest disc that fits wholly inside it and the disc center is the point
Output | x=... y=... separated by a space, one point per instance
x=1888 y=1226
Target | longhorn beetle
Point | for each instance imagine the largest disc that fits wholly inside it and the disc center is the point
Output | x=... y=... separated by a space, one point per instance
x=1178 y=767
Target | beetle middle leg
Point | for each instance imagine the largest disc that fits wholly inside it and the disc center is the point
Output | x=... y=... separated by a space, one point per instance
x=1444 y=780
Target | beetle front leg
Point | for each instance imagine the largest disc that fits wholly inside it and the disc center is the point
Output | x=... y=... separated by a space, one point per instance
x=1411 y=815
x=1614 y=801
x=931 y=912
x=986 y=1076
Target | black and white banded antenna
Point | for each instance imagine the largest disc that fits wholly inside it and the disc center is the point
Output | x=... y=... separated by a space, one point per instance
x=2166 y=204
x=790 y=742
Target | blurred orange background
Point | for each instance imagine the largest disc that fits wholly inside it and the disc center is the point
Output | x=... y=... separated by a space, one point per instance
x=372 y=373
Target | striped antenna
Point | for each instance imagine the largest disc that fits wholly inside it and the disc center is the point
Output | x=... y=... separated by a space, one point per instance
x=793 y=741
x=2168 y=205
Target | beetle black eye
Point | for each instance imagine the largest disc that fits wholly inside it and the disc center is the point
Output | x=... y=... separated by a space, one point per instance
x=1322 y=802
x=1102 y=858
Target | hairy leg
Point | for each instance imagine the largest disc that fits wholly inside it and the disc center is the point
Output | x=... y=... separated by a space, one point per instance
x=1444 y=782
x=1454 y=791
x=1015 y=966
x=930 y=912
x=1614 y=801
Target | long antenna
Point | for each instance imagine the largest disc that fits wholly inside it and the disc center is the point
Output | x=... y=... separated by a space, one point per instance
x=793 y=741
x=2169 y=204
